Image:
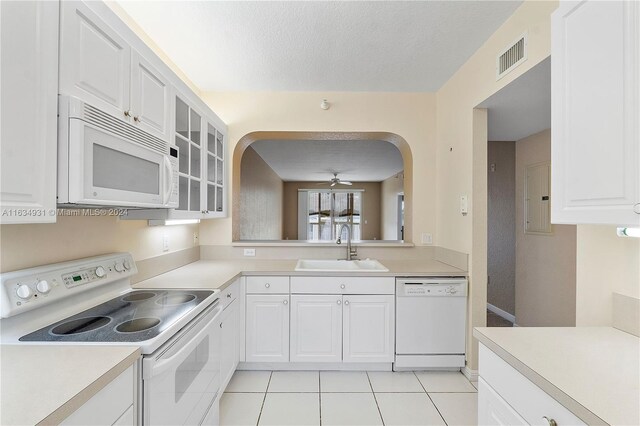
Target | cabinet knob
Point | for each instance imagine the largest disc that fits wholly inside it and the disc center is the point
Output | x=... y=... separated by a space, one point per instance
x=339 y=302
x=228 y=295
x=346 y=302
x=220 y=325
x=342 y=286
x=286 y=302
x=127 y=113
x=137 y=119
x=551 y=422
x=636 y=208
x=267 y=285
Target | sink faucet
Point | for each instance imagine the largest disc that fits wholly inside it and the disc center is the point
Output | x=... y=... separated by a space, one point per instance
x=351 y=252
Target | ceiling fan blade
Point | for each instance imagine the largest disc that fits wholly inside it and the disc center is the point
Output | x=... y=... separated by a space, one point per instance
x=345 y=182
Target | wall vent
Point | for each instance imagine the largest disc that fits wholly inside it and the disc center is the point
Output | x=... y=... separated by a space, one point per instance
x=511 y=57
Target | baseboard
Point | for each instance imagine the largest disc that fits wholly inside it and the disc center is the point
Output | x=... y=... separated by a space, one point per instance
x=471 y=375
x=315 y=366
x=504 y=314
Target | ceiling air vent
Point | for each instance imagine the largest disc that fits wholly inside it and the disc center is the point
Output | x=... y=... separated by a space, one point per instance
x=511 y=57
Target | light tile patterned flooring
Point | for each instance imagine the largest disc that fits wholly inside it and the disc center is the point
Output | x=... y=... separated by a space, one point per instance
x=345 y=398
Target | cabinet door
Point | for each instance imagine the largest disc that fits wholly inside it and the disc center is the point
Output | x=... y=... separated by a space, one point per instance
x=267 y=335
x=150 y=98
x=493 y=410
x=230 y=342
x=368 y=328
x=595 y=113
x=214 y=190
x=29 y=107
x=316 y=328
x=95 y=61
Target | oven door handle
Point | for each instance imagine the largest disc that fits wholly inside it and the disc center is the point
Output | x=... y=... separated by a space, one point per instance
x=154 y=367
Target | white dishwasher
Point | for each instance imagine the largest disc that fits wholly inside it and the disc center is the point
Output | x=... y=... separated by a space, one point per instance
x=431 y=319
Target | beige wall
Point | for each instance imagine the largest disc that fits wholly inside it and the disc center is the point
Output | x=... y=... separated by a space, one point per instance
x=545 y=264
x=24 y=246
x=606 y=264
x=389 y=191
x=409 y=115
x=501 y=214
x=261 y=195
x=370 y=208
x=461 y=152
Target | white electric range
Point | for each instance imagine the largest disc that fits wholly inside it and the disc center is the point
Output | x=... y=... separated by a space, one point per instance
x=90 y=301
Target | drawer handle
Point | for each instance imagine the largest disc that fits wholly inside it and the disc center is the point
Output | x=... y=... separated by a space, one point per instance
x=342 y=286
x=551 y=422
x=267 y=285
x=346 y=302
x=228 y=295
x=339 y=302
x=286 y=302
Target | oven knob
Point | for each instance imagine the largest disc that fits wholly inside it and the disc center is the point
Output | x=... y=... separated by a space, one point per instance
x=126 y=265
x=119 y=267
x=100 y=272
x=43 y=287
x=23 y=292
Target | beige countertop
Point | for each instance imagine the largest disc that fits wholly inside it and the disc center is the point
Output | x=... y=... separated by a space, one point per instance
x=217 y=274
x=592 y=371
x=46 y=383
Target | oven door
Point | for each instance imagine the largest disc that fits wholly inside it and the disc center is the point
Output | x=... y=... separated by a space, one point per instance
x=180 y=381
x=108 y=169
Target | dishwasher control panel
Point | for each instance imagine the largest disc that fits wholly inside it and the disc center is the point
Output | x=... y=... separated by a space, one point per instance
x=431 y=287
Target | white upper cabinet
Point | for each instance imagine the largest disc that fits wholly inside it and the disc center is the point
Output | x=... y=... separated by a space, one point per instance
x=29 y=105
x=150 y=97
x=596 y=113
x=95 y=61
x=99 y=66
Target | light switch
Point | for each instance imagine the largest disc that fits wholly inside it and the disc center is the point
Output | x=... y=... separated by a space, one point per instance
x=165 y=242
x=427 y=238
x=464 y=205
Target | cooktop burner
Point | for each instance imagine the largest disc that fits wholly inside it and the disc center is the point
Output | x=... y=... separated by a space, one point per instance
x=137 y=316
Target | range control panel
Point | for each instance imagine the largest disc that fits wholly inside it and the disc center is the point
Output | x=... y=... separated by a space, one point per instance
x=431 y=287
x=30 y=288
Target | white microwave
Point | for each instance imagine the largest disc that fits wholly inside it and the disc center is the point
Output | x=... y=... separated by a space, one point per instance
x=104 y=161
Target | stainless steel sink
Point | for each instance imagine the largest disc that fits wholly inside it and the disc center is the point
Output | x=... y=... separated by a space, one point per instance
x=328 y=265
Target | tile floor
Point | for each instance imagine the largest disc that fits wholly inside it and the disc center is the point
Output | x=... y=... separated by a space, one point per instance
x=348 y=398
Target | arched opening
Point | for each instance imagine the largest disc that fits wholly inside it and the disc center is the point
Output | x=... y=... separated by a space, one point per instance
x=245 y=228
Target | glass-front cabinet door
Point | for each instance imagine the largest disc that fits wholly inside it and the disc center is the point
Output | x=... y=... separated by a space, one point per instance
x=201 y=163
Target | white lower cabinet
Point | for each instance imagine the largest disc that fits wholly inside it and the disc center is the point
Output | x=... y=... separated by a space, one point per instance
x=368 y=323
x=267 y=328
x=114 y=404
x=506 y=397
x=316 y=328
x=230 y=355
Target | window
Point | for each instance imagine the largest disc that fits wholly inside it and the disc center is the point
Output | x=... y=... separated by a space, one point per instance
x=325 y=211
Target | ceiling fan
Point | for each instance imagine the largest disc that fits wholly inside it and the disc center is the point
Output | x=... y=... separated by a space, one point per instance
x=335 y=180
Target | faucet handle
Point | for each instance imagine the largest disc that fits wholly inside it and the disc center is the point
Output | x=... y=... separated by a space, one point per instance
x=339 y=240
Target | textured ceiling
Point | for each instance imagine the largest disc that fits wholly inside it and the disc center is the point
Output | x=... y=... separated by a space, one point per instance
x=319 y=45
x=523 y=107
x=360 y=161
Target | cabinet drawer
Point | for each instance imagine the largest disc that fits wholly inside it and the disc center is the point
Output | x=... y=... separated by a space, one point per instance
x=527 y=399
x=267 y=285
x=109 y=405
x=343 y=285
x=229 y=294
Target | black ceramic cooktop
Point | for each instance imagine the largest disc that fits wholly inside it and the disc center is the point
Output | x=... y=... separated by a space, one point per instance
x=133 y=317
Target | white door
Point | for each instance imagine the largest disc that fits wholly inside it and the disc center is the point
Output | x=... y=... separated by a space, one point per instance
x=150 y=98
x=316 y=328
x=595 y=113
x=368 y=325
x=29 y=107
x=230 y=342
x=267 y=335
x=94 y=60
x=493 y=410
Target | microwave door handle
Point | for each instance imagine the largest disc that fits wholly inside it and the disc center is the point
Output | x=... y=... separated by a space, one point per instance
x=168 y=180
x=152 y=368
